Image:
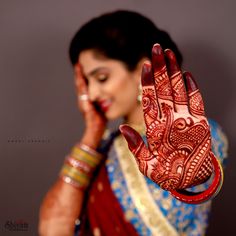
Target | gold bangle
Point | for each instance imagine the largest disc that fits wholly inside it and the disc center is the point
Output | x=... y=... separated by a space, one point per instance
x=82 y=155
x=75 y=177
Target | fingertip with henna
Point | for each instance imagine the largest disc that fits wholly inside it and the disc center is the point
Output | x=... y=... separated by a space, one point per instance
x=171 y=62
x=147 y=78
x=190 y=83
x=158 y=59
x=132 y=136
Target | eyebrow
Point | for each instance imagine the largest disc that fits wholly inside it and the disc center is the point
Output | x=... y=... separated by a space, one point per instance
x=93 y=72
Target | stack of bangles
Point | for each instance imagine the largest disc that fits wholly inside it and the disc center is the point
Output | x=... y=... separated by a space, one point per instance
x=79 y=166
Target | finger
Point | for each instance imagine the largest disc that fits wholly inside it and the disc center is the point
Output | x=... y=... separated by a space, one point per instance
x=177 y=84
x=80 y=83
x=162 y=82
x=196 y=105
x=151 y=110
x=81 y=90
x=137 y=147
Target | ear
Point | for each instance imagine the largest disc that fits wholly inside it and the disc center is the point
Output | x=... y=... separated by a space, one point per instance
x=138 y=69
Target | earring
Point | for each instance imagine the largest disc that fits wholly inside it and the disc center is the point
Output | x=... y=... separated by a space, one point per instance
x=139 y=97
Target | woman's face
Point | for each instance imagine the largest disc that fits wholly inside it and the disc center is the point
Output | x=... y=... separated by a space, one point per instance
x=110 y=84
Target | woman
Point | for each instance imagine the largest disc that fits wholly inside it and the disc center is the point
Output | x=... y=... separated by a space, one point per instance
x=100 y=182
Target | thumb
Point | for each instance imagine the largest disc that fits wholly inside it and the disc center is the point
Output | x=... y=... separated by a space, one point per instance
x=137 y=147
x=134 y=140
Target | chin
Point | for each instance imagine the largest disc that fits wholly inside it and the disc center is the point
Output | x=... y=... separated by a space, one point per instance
x=112 y=115
x=112 y=118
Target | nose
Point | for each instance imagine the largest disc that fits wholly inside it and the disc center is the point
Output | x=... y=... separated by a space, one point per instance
x=93 y=91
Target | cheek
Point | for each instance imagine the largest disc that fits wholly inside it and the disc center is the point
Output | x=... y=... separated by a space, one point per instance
x=115 y=88
x=122 y=89
x=124 y=97
x=126 y=94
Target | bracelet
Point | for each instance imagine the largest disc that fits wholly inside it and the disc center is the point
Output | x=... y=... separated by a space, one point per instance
x=72 y=182
x=209 y=193
x=89 y=149
x=79 y=166
x=91 y=157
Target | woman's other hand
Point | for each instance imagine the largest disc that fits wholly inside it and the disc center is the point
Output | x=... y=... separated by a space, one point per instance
x=63 y=202
x=95 y=122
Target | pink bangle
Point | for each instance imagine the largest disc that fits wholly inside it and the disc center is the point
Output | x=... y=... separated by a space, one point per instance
x=78 y=164
x=70 y=181
x=88 y=149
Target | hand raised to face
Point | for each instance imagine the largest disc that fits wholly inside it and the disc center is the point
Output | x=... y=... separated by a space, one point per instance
x=179 y=153
x=95 y=122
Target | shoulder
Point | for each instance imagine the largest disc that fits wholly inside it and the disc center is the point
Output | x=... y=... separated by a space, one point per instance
x=219 y=141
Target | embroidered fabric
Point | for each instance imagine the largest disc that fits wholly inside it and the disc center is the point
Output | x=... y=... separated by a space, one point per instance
x=185 y=218
x=167 y=216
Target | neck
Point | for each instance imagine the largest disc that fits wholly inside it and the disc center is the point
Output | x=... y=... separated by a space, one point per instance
x=135 y=117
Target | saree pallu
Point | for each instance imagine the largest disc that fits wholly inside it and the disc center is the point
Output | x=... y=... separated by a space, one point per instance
x=124 y=202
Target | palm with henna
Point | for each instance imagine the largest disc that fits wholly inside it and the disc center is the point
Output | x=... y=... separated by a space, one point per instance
x=179 y=153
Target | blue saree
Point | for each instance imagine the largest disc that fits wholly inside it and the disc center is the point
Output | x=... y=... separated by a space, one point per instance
x=123 y=202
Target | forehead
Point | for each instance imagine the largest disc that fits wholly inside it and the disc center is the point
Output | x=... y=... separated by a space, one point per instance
x=91 y=60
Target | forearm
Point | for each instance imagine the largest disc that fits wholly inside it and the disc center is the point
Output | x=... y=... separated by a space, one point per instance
x=62 y=204
x=59 y=210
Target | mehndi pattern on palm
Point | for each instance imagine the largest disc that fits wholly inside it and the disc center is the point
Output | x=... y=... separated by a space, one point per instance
x=179 y=153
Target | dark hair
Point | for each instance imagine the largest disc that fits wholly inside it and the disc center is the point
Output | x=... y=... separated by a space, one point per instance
x=123 y=35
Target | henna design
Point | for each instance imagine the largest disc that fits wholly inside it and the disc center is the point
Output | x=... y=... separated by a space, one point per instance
x=210 y=192
x=172 y=142
x=163 y=85
x=179 y=93
x=160 y=76
x=149 y=105
x=179 y=153
x=196 y=103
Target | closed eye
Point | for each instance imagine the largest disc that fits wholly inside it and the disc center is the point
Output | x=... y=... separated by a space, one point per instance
x=102 y=78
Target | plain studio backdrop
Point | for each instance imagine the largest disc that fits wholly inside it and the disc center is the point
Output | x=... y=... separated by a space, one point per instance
x=39 y=120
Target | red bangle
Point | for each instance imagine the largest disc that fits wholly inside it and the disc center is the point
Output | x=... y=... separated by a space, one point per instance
x=209 y=193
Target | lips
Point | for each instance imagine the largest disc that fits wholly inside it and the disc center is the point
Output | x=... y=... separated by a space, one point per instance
x=105 y=105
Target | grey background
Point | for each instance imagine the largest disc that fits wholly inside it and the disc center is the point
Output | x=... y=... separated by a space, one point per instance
x=39 y=120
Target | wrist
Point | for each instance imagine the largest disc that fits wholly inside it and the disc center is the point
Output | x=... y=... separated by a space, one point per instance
x=92 y=140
